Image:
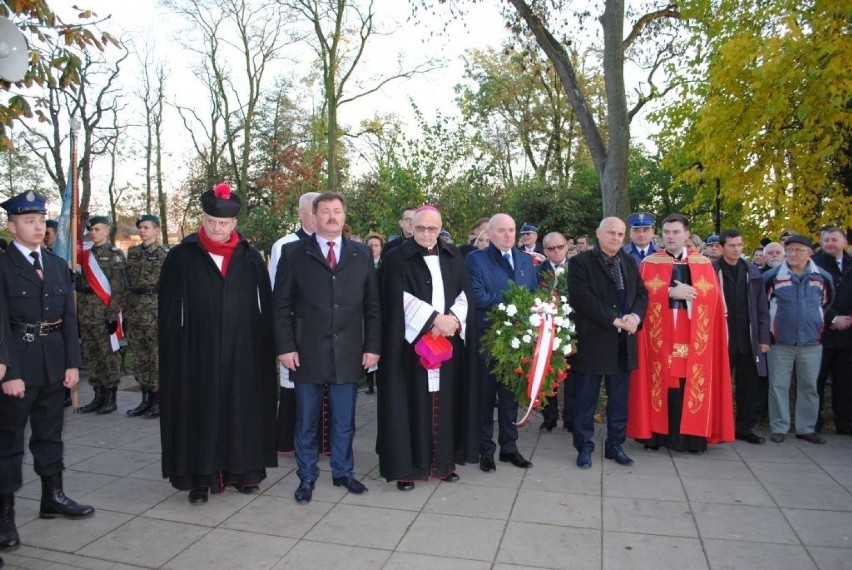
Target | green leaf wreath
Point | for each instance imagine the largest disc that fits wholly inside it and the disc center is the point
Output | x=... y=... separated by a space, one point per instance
x=510 y=340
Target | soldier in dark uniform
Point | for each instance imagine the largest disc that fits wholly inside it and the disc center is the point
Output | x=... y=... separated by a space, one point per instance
x=41 y=348
x=143 y=274
x=99 y=313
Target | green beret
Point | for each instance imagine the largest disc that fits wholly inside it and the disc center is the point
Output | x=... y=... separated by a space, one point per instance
x=53 y=224
x=147 y=218
x=98 y=220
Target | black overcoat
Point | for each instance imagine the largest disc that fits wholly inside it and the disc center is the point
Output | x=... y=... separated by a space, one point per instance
x=405 y=406
x=29 y=299
x=593 y=296
x=218 y=379
x=331 y=318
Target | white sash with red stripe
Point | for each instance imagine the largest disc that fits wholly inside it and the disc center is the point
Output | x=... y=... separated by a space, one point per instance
x=99 y=283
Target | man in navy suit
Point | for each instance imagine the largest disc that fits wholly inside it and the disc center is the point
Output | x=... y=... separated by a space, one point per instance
x=491 y=269
x=41 y=349
x=327 y=333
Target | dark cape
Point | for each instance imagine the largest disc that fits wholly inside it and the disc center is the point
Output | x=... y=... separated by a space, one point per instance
x=218 y=380
x=420 y=435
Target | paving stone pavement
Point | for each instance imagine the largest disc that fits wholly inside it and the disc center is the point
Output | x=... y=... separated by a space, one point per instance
x=740 y=506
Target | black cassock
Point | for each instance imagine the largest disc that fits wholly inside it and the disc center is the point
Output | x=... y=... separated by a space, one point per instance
x=424 y=434
x=218 y=375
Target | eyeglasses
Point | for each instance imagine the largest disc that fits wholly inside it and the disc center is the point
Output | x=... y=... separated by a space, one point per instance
x=798 y=250
x=427 y=229
x=556 y=247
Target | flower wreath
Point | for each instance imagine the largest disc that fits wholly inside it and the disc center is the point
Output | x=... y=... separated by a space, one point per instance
x=527 y=343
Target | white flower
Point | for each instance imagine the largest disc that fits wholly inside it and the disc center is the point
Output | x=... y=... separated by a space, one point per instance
x=566 y=350
x=557 y=321
x=537 y=301
x=499 y=332
x=560 y=270
x=564 y=299
x=566 y=308
x=529 y=331
x=511 y=310
x=501 y=306
x=535 y=319
x=556 y=342
x=526 y=338
x=516 y=343
x=507 y=323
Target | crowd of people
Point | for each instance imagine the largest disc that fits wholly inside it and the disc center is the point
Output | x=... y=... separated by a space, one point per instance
x=240 y=358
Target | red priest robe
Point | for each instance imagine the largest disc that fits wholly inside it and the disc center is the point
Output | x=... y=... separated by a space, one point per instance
x=707 y=402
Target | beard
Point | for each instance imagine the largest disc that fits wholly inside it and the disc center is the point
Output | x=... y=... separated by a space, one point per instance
x=773 y=263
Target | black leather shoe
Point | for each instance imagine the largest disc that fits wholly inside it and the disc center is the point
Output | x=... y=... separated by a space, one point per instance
x=305 y=492
x=143 y=406
x=198 y=496
x=245 y=489
x=652 y=447
x=109 y=402
x=486 y=463
x=584 y=459
x=750 y=437
x=9 y=538
x=617 y=454
x=352 y=484
x=451 y=478
x=54 y=503
x=515 y=459
x=810 y=437
x=405 y=485
x=96 y=402
x=548 y=425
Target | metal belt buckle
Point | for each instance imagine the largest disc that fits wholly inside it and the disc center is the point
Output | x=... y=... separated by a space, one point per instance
x=43 y=329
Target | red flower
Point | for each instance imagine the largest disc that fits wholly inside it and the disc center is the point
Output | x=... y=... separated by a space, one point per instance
x=526 y=360
x=519 y=371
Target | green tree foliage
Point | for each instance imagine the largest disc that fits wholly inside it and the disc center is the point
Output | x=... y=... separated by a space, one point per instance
x=54 y=51
x=765 y=108
x=514 y=99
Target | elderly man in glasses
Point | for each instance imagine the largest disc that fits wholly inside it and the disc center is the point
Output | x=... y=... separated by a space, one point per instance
x=556 y=250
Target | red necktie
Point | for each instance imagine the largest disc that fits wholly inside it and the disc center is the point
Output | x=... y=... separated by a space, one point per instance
x=331 y=258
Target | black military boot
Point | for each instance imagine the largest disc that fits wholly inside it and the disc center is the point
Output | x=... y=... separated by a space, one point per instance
x=154 y=410
x=143 y=407
x=109 y=401
x=9 y=538
x=54 y=503
x=95 y=404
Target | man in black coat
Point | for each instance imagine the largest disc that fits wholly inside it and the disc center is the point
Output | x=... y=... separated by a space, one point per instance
x=40 y=356
x=837 y=335
x=218 y=380
x=748 y=330
x=327 y=333
x=428 y=419
x=609 y=302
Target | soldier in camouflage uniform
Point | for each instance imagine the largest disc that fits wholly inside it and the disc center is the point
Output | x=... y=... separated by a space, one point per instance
x=143 y=275
x=98 y=321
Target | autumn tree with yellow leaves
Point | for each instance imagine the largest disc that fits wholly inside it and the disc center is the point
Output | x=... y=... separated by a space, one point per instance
x=765 y=109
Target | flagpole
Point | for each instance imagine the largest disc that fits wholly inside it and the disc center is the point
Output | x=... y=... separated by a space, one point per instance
x=75 y=220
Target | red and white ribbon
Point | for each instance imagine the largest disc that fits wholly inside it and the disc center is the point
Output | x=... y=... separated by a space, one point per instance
x=99 y=283
x=540 y=364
